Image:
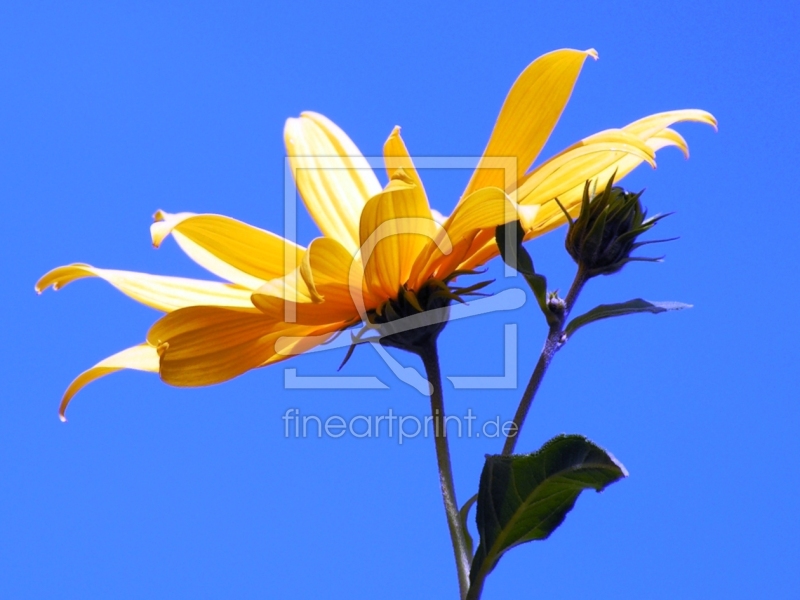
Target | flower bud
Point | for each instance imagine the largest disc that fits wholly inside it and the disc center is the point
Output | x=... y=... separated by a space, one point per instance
x=556 y=305
x=603 y=236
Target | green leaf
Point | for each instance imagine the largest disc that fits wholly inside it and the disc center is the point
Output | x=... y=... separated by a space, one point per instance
x=463 y=516
x=631 y=307
x=526 y=497
x=516 y=257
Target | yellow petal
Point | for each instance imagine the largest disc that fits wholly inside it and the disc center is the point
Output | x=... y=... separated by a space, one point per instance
x=287 y=346
x=203 y=345
x=306 y=313
x=333 y=177
x=396 y=225
x=159 y=292
x=672 y=138
x=336 y=282
x=529 y=114
x=649 y=126
x=396 y=157
x=292 y=287
x=230 y=249
x=570 y=167
x=329 y=269
x=140 y=358
x=551 y=216
x=653 y=131
x=483 y=209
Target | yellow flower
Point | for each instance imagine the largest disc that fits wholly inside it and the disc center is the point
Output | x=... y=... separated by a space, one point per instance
x=379 y=245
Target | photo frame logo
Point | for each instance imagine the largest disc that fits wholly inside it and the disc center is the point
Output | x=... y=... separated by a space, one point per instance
x=506 y=300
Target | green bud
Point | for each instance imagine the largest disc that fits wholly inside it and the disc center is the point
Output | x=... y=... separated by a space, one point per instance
x=556 y=305
x=603 y=236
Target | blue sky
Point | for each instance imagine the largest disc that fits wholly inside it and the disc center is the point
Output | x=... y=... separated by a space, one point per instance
x=109 y=111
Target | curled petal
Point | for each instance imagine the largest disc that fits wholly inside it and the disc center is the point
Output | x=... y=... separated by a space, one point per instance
x=649 y=126
x=139 y=358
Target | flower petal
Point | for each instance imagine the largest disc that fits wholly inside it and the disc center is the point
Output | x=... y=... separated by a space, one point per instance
x=598 y=166
x=396 y=225
x=203 y=345
x=330 y=269
x=306 y=313
x=570 y=167
x=333 y=177
x=333 y=277
x=396 y=157
x=230 y=249
x=484 y=209
x=551 y=216
x=649 y=126
x=529 y=114
x=140 y=358
x=157 y=291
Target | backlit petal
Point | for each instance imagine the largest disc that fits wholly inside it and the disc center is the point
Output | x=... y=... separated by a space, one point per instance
x=333 y=177
x=396 y=157
x=157 y=291
x=396 y=225
x=139 y=358
x=306 y=313
x=551 y=216
x=649 y=126
x=529 y=114
x=232 y=250
x=203 y=345
x=483 y=209
x=570 y=167
x=330 y=273
x=654 y=131
x=329 y=269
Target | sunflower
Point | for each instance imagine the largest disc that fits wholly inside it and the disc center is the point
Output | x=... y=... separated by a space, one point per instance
x=384 y=252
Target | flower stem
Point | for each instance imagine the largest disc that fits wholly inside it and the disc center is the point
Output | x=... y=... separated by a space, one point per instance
x=430 y=358
x=552 y=345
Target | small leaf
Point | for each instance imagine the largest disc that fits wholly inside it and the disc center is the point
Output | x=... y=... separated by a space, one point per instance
x=631 y=307
x=463 y=516
x=526 y=497
x=516 y=257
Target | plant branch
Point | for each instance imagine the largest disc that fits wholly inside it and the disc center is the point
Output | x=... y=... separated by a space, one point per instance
x=553 y=343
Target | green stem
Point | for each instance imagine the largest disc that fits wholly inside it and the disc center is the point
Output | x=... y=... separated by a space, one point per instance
x=430 y=358
x=577 y=285
x=552 y=345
